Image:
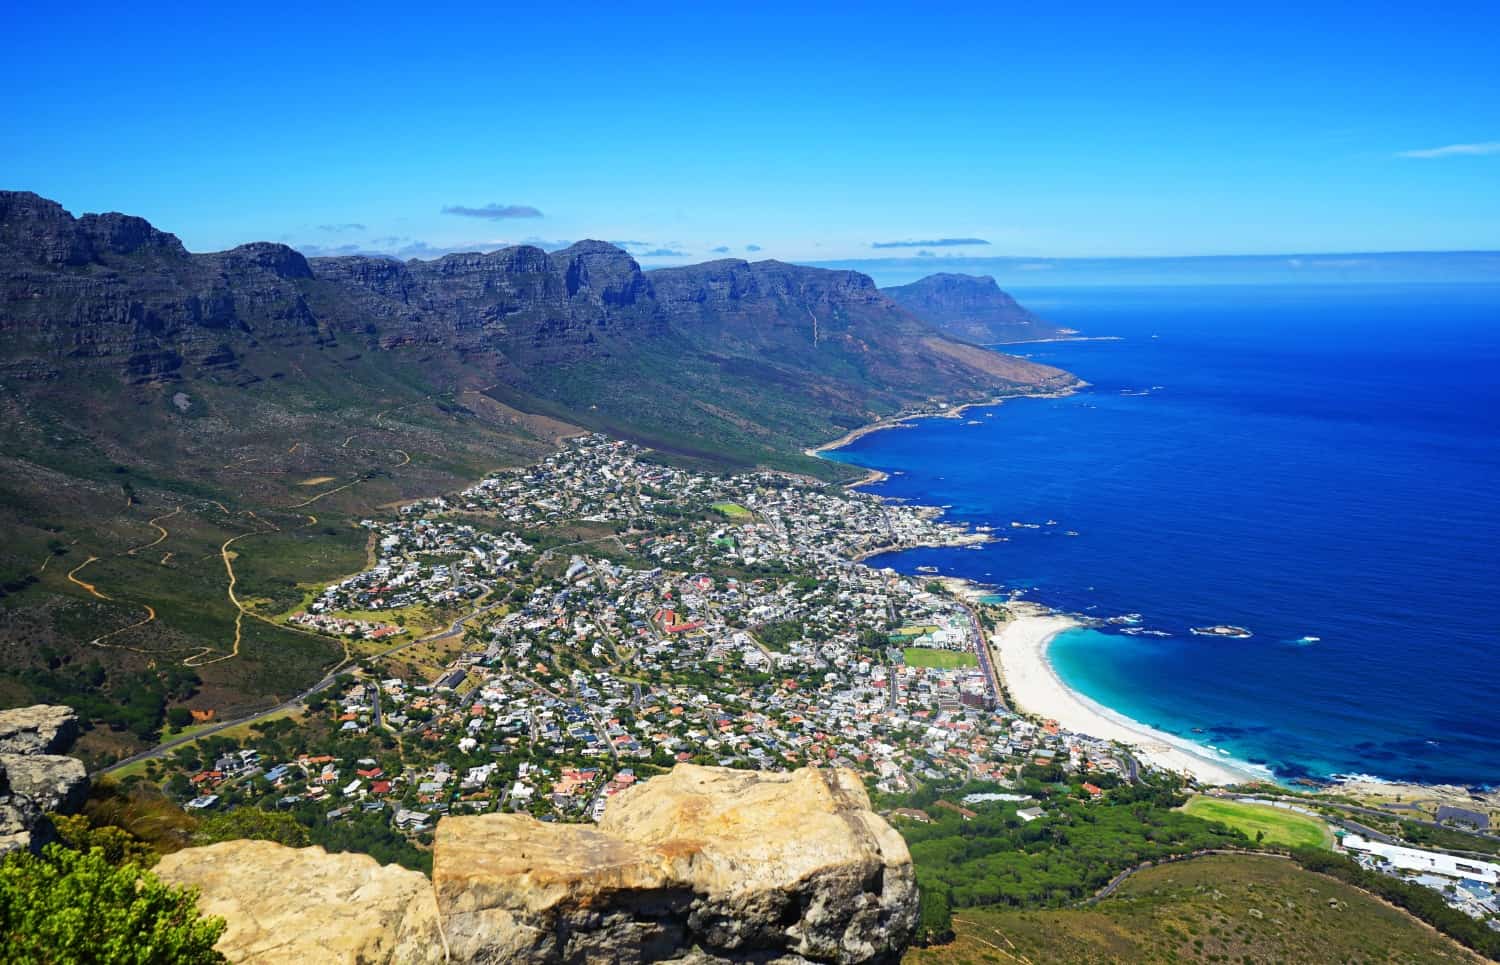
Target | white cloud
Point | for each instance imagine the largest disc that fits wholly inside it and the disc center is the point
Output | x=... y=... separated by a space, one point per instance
x=1454 y=150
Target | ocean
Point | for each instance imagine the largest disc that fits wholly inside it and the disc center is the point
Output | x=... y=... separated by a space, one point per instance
x=1319 y=465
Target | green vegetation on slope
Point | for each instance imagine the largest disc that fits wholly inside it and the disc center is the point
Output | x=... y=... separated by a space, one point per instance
x=1263 y=824
x=1421 y=901
x=1225 y=908
x=1067 y=854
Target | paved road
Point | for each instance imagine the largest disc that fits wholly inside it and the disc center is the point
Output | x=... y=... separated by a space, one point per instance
x=982 y=650
x=454 y=629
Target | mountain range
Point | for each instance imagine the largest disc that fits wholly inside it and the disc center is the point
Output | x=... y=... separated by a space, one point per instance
x=149 y=392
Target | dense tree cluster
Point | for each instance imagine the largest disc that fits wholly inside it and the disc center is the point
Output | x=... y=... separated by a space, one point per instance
x=1071 y=851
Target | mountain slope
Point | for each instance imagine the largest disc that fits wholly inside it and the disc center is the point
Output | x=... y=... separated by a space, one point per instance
x=192 y=439
x=1237 y=908
x=970 y=308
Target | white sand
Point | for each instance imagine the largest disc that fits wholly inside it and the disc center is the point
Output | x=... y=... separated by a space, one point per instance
x=1021 y=652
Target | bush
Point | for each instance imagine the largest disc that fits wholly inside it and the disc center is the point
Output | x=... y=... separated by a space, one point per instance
x=254 y=824
x=75 y=907
x=116 y=844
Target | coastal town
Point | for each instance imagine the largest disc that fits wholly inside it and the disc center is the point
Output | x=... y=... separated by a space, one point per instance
x=629 y=615
x=641 y=615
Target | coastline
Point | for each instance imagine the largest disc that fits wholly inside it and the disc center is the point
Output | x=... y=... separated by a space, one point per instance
x=903 y=420
x=1020 y=653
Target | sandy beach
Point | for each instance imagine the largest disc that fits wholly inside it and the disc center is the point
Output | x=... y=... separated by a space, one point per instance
x=1020 y=649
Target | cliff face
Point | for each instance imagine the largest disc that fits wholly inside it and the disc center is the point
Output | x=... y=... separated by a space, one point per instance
x=701 y=864
x=111 y=292
x=970 y=308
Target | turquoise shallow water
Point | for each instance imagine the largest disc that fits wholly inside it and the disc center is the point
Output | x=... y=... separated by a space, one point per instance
x=1304 y=462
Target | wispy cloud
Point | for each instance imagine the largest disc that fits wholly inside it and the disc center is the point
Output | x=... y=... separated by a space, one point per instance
x=663 y=253
x=721 y=250
x=493 y=211
x=398 y=247
x=1454 y=150
x=930 y=243
x=752 y=247
x=632 y=244
x=351 y=226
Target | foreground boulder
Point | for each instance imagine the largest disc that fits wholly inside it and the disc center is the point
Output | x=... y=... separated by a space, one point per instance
x=305 y=905
x=34 y=778
x=702 y=865
x=723 y=864
x=38 y=729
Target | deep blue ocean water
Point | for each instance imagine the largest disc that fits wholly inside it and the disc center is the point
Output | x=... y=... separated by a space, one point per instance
x=1300 y=461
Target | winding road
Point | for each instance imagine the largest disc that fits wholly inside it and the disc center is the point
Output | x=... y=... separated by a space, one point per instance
x=454 y=629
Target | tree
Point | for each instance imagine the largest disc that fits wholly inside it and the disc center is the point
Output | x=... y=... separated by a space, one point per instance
x=74 y=906
x=179 y=717
x=934 y=918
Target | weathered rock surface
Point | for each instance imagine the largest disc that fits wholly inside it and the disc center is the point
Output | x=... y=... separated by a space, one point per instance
x=701 y=865
x=710 y=863
x=39 y=729
x=306 y=905
x=33 y=780
x=52 y=782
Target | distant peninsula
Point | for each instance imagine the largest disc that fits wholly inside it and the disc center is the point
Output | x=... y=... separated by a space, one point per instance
x=972 y=308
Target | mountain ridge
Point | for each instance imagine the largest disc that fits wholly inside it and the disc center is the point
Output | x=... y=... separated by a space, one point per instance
x=255 y=405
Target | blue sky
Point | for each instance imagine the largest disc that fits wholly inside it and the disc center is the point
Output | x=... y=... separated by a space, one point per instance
x=1098 y=130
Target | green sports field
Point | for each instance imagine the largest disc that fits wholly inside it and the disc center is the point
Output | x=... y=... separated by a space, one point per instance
x=940 y=659
x=1281 y=827
x=732 y=510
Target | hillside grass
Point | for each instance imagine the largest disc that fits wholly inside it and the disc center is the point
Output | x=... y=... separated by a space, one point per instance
x=1281 y=827
x=1226 y=908
x=938 y=659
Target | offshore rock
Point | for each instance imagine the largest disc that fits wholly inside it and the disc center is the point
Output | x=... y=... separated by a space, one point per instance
x=305 y=905
x=698 y=865
x=704 y=863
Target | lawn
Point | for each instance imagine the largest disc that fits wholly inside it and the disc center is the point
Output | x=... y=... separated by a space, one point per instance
x=1281 y=827
x=939 y=659
x=732 y=510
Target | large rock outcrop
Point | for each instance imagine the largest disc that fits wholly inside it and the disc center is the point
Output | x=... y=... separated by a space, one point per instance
x=38 y=729
x=33 y=780
x=701 y=865
x=305 y=905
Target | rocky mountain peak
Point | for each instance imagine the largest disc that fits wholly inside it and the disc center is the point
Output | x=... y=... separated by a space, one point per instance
x=280 y=260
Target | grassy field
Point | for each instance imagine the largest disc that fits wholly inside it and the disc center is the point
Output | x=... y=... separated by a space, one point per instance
x=1280 y=826
x=1225 y=908
x=732 y=510
x=940 y=659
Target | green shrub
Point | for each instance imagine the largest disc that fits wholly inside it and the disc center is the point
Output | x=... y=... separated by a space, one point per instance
x=75 y=907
